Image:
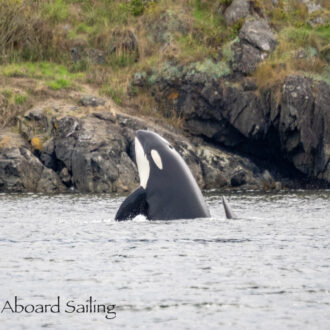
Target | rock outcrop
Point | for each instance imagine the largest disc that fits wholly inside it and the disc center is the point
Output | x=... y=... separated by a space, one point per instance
x=238 y=9
x=21 y=171
x=287 y=126
x=96 y=154
x=256 y=42
x=304 y=126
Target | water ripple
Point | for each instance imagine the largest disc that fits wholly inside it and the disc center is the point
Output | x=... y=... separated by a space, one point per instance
x=268 y=269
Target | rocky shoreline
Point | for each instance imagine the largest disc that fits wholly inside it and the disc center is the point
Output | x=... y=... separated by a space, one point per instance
x=95 y=154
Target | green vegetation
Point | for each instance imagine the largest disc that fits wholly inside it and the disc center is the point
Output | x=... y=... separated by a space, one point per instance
x=20 y=99
x=298 y=51
x=59 y=84
x=56 y=76
x=55 y=11
x=7 y=93
x=54 y=42
x=117 y=94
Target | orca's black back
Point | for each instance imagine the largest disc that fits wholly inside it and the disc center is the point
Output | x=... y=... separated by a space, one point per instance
x=172 y=192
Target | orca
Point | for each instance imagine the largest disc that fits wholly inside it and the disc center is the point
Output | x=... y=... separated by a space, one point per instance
x=168 y=190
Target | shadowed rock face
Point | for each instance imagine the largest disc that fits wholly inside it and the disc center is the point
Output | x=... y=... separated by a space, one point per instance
x=305 y=125
x=290 y=126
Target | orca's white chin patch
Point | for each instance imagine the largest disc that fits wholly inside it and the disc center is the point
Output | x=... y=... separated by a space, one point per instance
x=142 y=163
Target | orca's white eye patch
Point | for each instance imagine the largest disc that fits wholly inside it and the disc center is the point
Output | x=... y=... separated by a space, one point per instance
x=157 y=159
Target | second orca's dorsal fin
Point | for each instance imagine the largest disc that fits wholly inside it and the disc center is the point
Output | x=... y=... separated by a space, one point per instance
x=229 y=212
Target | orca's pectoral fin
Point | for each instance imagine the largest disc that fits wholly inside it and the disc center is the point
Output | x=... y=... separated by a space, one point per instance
x=229 y=212
x=134 y=204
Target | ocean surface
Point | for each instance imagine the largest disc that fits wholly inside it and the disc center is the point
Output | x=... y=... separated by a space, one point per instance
x=269 y=269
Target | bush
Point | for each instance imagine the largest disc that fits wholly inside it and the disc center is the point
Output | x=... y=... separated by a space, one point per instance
x=137 y=7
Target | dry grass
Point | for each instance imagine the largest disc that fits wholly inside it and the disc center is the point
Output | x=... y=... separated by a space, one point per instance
x=25 y=34
x=271 y=74
x=145 y=105
x=98 y=75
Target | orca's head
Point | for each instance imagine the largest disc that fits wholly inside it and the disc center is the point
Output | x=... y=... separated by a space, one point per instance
x=151 y=153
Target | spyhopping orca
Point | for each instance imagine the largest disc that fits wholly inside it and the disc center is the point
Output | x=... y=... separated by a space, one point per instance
x=167 y=189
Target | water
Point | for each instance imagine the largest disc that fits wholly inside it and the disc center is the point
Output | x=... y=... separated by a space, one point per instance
x=267 y=270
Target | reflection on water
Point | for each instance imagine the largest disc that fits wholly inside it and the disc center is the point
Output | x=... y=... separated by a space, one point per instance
x=268 y=269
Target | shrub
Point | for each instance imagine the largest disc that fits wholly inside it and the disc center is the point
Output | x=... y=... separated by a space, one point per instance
x=137 y=7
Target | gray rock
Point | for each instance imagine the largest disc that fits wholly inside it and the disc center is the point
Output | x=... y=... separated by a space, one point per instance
x=93 y=150
x=269 y=182
x=244 y=112
x=108 y=116
x=249 y=84
x=47 y=154
x=305 y=126
x=165 y=28
x=91 y=101
x=237 y=10
x=35 y=122
x=21 y=171
x=258 y=34
x=247 y=57
x=139 y=79
x=65 y=177
x=50 y=182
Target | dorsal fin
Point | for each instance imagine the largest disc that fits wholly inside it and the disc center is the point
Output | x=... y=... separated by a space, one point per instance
x=229 y=212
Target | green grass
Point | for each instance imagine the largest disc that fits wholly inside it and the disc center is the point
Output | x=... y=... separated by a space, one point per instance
x=324 y=76
x=117 y=61
x=55 y=11
x=56 y=76
x=7 y=93
x=296 y=36
x=20 y=99
x=117 y=94
x=323 y=31
x=59 y=84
